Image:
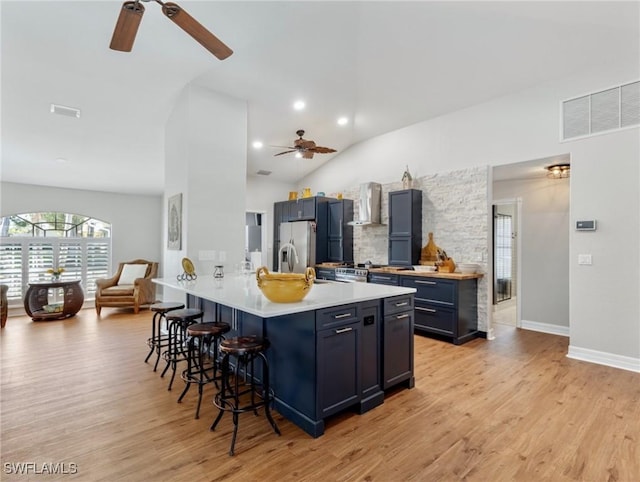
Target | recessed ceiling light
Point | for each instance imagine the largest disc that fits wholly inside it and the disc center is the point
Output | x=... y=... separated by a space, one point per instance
x=299 y=105
x=257 y=144
x=61 y=160
x=342 y=121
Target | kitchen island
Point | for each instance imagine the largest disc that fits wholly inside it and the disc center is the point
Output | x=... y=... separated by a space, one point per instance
x=337 y=349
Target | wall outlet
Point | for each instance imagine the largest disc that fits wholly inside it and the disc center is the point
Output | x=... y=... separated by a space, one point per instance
x=584 y=259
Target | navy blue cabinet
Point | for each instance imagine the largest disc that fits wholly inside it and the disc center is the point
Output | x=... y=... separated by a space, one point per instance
x=326 y=274
x=383 y=279
x=397 y=366
x=370 y=362
x=405 y=227
x=445 y=307
x=339 y=233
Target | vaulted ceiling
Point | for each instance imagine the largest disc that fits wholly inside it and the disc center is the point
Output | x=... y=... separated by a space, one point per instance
x=384 y=65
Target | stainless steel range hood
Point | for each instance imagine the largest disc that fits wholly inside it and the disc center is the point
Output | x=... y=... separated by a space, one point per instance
x=368 y=204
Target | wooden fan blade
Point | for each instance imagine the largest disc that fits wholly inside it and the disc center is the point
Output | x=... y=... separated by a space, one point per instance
x=307 y=155
x=322 y=150
x=190 y=25
x=285 y=152
x=127 y=25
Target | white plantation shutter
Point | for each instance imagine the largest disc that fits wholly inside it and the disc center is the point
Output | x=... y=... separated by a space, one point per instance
x=40 y=259
x=11 y=269
x=70 y=258
x=98 y=260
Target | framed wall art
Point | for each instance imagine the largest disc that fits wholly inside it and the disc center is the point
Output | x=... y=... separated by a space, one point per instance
x=175 y=222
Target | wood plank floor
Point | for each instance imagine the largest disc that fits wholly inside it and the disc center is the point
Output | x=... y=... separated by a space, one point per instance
x=514 y=409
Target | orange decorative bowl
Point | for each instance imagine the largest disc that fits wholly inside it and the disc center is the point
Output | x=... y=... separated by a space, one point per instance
x=285 y=287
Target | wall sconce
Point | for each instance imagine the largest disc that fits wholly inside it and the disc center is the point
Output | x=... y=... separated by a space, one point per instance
x=558 y=171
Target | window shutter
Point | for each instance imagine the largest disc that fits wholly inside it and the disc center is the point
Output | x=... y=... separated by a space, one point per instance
x=11 y=269
x=98 y=260
x=39 y=261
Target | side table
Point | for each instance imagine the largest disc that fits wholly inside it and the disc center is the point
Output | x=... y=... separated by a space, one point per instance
x=53 y=300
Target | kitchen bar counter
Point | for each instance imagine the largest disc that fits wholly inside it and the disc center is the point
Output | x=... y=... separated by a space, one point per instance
x=241 y=292
x=337 y=349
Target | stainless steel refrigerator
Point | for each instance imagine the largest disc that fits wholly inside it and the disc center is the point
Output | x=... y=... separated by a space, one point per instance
x=297 y=246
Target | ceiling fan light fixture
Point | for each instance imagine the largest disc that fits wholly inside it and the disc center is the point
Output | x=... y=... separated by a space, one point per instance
x=124 y=33
x=558 y=171
x=186 y=22
x=299 y=155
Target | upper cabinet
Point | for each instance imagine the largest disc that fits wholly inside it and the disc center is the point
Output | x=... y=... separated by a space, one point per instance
x=405 y=227
x=339 y=233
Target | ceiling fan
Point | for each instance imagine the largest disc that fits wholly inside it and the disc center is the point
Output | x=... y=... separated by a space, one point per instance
x=305 y=148
x=131 y=14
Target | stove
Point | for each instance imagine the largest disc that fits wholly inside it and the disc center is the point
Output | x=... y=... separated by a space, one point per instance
x=351 y=275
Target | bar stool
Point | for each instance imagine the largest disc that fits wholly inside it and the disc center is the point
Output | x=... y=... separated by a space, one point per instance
x=158 y=340
x=202 y=356
x=178 y=321
x=245 y=349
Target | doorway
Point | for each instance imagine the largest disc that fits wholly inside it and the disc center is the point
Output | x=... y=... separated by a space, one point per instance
x=255 y=238
x=505 y=262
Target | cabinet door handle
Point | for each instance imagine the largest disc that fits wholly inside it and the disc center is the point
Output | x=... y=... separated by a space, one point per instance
x=343 y=330
x=400 y=317
x=425 y=282
x=343 y=315
x=428 y=310
x=404 y=303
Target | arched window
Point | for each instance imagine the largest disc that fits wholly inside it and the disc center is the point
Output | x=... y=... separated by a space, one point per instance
x=32 y=244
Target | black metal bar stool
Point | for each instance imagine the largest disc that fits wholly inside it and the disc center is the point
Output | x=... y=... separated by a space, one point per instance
x=202 y=356
x=159 y=340
x=245 y=349
x=178 y=321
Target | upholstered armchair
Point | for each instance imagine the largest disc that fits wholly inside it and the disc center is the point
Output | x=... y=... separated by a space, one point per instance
x=131 y=286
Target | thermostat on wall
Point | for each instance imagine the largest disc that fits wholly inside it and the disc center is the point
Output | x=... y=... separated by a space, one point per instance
x=586 y=225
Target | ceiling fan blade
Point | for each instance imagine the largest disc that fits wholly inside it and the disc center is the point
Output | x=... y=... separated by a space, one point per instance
x=190 y=25
x=322 y=150
x=285 y=152
x=127 y=25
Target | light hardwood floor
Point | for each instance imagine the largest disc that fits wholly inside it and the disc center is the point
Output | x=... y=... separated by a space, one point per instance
x=514 y=409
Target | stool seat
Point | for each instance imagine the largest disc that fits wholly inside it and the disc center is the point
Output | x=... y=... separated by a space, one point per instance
x=242 y=345
x=159 y=340
x=244 y=381
x=166 y=306
x=202 y=356
x=178 y=321
x=185 y=314
x=210 y=328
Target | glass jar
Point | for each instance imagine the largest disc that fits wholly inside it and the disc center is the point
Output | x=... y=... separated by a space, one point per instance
x=218 y=271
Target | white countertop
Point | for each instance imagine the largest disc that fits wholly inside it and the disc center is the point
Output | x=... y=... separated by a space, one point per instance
x=241 y=292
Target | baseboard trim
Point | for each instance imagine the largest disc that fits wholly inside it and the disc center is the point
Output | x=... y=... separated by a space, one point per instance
x=545 y=328
x=604 y=358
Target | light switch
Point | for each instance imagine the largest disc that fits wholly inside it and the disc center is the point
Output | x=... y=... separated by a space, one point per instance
x=584 y=259
x=207 y=255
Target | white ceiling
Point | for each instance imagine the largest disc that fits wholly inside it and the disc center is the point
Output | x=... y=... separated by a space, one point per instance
x=385 y=65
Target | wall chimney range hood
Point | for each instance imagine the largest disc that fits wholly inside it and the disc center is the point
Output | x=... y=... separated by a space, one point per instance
x=368 y=204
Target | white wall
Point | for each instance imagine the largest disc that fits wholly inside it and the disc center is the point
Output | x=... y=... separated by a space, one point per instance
x=522 y=127
x=206 y=149
x=136 y=220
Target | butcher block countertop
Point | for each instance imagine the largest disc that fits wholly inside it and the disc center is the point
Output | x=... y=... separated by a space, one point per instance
x=425 y=274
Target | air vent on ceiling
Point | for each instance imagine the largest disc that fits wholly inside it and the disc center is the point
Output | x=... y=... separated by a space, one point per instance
x=262 y=172
x=64 y=110
x=602 y=111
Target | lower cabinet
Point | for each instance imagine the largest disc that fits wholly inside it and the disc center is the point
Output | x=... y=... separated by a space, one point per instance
x=445 y=307
x=339 y=384
x=397 y=341
x=326 y=273
x=383 y=279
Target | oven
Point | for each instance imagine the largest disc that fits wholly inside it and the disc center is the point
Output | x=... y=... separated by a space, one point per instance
x=351 y=275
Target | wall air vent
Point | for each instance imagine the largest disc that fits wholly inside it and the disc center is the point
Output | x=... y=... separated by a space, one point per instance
x=262 y=172
x=64 y=110
x=604 y=111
